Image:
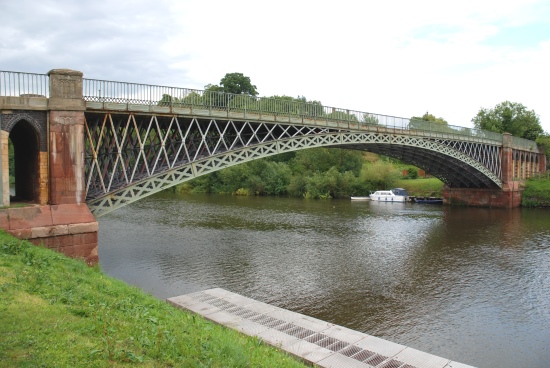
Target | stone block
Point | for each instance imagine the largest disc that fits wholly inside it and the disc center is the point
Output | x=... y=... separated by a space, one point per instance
x=83 y=250
x=57 y=171
x=4 y=220
x=49 y=231
x=29 y=217
x=89 y=237
x=87 y=227
x=72 y=213
x=20 y=233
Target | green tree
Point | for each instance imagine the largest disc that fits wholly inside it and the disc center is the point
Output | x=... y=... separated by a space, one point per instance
x=232 y=83
x=319 y=160
x=426 y=122
x=235 y=83
x=543 y=141
x=379 y=175
x=370 y=119
x=509 y=117
x=168 y=100
x=431 y=118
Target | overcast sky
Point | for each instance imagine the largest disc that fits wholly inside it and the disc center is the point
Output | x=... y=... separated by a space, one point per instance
x=401 y=58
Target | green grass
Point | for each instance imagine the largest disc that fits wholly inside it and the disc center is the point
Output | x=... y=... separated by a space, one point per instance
x=430 y=187
x=537 y=191
x=57 y=312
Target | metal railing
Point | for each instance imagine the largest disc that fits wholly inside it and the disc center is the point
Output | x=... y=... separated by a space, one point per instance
x=174 y=97
x=24 y=84
x=94 y=90
x=528 y=145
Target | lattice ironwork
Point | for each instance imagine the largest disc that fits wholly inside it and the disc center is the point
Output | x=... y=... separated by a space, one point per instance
x=130 y=156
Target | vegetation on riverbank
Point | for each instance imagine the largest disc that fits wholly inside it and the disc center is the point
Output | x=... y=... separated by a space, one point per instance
x=312 y=173
x=57 y=312
x=422 y=187
x=537 y=191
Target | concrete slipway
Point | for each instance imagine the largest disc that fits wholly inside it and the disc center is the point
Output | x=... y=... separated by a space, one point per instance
x=317 y=342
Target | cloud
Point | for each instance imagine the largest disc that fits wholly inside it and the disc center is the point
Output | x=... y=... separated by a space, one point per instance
x=398 y=58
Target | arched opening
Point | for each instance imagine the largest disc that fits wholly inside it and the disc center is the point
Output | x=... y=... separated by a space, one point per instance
x=24 y=162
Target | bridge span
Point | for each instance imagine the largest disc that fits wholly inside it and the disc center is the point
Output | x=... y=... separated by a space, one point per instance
x=87 y=147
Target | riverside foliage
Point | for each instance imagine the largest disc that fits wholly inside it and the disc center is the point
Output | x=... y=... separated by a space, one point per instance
x=537 y=191
x=318 y=173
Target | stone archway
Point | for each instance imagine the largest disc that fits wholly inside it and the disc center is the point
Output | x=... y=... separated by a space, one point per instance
x=26 y=144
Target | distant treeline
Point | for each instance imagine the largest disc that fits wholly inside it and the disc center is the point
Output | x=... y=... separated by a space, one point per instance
x=309 y=173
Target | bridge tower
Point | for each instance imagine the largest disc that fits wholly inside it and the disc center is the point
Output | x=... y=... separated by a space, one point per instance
x=47 y=136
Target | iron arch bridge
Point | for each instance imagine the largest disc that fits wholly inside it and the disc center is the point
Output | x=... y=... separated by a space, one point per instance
x=142 y=139
x=130 y=156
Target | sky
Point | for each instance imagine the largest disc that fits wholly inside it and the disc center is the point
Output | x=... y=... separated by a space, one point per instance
x=401 y=58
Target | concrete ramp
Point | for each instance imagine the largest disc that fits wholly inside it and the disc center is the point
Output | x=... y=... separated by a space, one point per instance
x=315 y=341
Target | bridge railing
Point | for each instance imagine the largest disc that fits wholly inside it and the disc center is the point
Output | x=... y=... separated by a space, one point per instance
x=526 y=144
x=30 y=84
x=23 y=84
x=174 y=97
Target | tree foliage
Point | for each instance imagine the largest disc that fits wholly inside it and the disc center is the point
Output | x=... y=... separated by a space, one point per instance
x=543 y=141
x=426 y=122
x=509 y=117
x=235 y=83
x=431 y=118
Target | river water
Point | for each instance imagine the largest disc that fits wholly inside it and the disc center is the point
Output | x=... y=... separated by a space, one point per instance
x=468 y=284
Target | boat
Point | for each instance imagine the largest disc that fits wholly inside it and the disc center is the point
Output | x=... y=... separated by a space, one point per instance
x=360 y=198
x=392 y=195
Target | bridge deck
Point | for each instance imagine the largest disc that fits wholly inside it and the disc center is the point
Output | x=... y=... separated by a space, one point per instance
x=315 y=341
x=243 y=115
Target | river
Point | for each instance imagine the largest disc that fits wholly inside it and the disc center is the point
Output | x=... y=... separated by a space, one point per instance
x=468 y=284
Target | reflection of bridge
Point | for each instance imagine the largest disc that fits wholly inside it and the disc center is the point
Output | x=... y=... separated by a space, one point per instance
x=112 y=143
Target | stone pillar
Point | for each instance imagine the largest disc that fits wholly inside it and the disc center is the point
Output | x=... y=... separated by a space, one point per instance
x=66 y=137
x=542 y=160
x=507 y=162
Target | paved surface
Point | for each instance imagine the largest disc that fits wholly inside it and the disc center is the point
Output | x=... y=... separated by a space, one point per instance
x=317 y=342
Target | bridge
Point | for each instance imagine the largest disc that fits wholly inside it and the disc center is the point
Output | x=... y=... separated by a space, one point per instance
x=85 y=147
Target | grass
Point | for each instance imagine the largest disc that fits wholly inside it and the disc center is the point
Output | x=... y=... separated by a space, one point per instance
x=16 y=205
x=537 y=191
x=57 y=312
x=424 y=187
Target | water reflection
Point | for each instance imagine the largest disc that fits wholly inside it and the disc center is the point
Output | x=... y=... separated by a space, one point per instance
x=467 y=284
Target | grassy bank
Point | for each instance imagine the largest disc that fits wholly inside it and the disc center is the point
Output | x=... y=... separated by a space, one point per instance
x=57 y=312
x=537 y=191
x=430 y=187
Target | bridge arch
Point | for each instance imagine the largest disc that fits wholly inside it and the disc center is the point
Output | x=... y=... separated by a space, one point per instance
x=26 y=147
x=444 y=162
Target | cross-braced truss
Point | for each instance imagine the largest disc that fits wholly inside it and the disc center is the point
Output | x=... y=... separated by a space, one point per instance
x=131 y=156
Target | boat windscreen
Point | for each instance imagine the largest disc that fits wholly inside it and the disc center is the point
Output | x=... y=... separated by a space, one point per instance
x=400 y=192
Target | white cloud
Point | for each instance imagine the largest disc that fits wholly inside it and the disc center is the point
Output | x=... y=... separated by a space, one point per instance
x=398 y=58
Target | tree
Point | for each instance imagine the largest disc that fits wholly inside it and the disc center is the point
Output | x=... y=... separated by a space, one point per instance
x=431 y=118
x=543 y=141
x=426 y=122
x=509 y=117
x=235 y=83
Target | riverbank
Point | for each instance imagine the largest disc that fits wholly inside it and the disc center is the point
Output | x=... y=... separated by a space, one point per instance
x=537 y=191
x=422 y=187
x=57 y=312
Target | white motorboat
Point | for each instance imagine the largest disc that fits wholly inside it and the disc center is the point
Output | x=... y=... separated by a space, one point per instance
x=392 y=195
x=360 y=198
